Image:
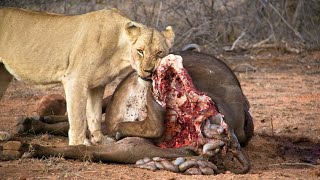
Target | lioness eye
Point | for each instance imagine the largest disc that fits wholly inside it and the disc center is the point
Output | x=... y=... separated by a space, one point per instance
x=160 y=54
x=140 y=52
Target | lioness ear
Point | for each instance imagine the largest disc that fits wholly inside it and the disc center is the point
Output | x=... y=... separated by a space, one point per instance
x=133 y=31
x=169 y=35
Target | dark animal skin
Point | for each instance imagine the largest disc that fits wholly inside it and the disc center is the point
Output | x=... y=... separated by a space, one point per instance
x=213 y=76
x=209 y=75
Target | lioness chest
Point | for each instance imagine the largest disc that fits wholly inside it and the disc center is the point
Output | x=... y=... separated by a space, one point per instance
x=44 y=48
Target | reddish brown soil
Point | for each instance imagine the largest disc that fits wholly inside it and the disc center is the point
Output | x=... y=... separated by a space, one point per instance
x=284 y=94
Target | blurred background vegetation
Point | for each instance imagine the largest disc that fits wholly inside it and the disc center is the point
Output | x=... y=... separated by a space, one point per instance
x=216 y=25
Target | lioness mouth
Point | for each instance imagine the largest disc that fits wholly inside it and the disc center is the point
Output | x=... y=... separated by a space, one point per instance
x=148 y=78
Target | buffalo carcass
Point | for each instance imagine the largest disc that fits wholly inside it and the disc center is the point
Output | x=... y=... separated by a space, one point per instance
x=209 y=75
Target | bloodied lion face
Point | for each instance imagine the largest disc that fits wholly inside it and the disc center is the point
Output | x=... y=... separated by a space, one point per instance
x=149 y=46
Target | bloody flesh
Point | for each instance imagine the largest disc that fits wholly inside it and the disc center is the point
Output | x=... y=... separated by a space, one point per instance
x=186 y=108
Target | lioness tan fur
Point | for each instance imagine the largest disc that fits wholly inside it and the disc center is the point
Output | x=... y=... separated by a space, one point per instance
x=83 y=52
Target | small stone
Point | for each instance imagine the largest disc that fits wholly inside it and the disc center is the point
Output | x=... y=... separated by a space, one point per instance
x=150 y=165
x=11 y=154
x=12 y=145
x=193 y=171
x=206 y=170
x=211 y=165
x=4 y=136
x=159 y=165
x=211 y=153
x=212 y=145
x=157 y=159
x=201 y=163
x=187 y=164
x=169 y=166
x=140 y=162
x=179 y=161
x=146 y=159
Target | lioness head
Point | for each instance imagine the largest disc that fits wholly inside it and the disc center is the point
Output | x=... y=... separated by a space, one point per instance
x=148 y=46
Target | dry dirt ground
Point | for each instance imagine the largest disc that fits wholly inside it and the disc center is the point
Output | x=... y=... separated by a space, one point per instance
x=284 y=94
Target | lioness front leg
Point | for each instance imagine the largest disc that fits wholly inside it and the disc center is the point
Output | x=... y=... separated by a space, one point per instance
x=76 y=96
x=94 y=113
x=5 y=79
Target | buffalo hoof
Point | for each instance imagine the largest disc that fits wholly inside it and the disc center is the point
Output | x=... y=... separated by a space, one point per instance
x=26 y=125
x=191 y=166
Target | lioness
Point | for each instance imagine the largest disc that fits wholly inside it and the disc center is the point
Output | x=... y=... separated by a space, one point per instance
x=83 y=52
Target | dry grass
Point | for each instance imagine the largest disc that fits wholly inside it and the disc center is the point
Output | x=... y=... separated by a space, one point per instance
x=213 y=24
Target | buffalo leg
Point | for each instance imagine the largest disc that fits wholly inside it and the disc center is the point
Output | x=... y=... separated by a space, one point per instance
x=132 y=150
x=35 y=125
x=127 y=150
x=53 y=119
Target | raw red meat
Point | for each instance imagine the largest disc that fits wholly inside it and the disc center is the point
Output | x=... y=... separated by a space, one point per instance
x=186 y=108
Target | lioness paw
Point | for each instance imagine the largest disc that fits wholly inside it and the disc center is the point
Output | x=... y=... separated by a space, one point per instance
x=96 y=138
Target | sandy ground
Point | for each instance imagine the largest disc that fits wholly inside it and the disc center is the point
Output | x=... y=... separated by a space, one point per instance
x=284 y=94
